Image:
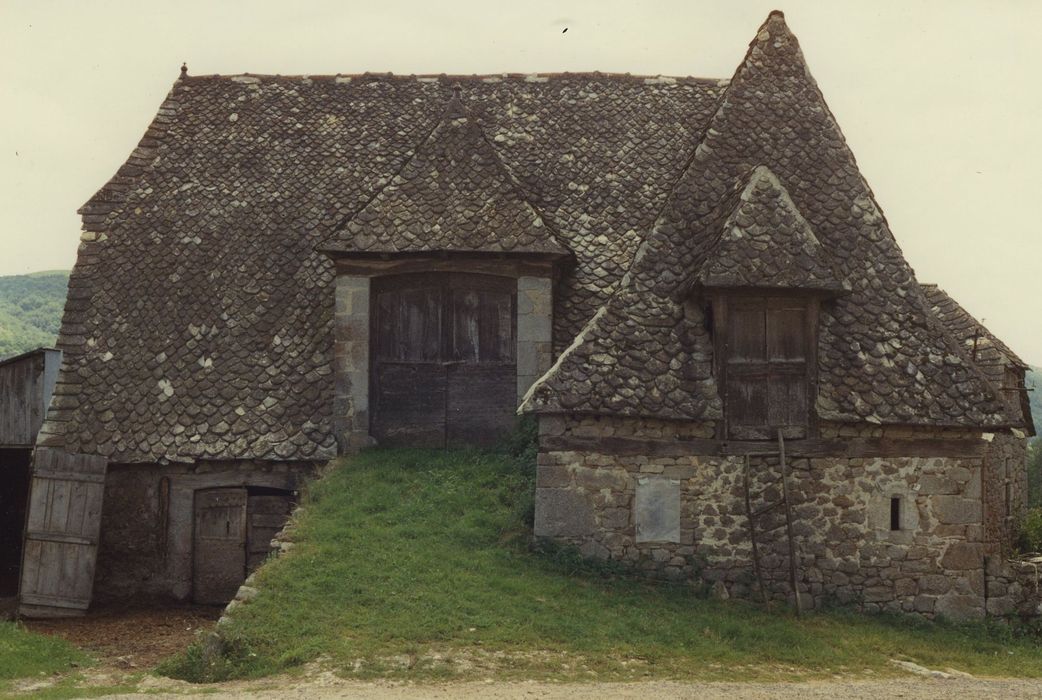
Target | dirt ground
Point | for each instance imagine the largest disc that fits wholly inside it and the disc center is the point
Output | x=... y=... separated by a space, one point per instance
x=912 y=689
x=130 y=641
x=135 y=638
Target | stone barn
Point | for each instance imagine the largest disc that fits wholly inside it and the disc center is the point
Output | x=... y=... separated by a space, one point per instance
x=689 y=284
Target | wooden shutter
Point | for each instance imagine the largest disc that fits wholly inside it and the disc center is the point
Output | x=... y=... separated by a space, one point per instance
x=767 y=354
x=61 y=538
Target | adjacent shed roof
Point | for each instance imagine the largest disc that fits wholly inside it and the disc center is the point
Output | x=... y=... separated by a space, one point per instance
x=991 y=356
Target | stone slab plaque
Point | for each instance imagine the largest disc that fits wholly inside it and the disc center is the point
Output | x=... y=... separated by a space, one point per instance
x=657 y=510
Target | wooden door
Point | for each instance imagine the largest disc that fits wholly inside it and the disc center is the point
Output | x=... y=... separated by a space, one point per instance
x=482 y=365
x=61 y=537
x=766 y=367
x=266 y=514
x=219 y=551
x=444 y=367
x=408 y=382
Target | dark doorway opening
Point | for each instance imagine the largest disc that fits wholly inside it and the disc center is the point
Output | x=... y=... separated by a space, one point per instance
x=14 y=496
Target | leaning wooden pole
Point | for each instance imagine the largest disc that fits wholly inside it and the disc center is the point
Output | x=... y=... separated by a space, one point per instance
x=788 y=523
x=752 y=534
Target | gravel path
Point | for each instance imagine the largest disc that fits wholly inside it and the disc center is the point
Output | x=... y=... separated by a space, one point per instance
x=907 y=689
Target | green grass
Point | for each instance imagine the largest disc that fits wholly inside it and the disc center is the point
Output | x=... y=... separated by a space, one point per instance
x=414 y=564
x=24 y=655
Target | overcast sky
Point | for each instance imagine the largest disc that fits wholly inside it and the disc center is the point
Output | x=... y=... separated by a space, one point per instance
x=940 y=100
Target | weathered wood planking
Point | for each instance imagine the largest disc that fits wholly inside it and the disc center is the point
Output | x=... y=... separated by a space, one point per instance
x=766 y=367
x=266 y=514
x=852 y=447
x=444 y=366
x=219 y=565
x=26 y=384
x=61 y=537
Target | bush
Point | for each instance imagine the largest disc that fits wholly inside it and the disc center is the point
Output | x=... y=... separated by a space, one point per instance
x=1031 y=531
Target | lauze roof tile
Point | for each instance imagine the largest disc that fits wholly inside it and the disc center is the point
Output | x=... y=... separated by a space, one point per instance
x=199 y=319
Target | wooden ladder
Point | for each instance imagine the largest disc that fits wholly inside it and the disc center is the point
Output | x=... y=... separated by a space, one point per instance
x=752 y=516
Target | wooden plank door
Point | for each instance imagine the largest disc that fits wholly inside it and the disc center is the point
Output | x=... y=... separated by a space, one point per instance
x=61 y=538
x=444 y=359
x=482 y=362
x=266 y=514
x=219 y=551
x=408 y=378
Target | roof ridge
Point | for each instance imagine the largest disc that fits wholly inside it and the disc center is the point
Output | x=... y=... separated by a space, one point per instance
x=651 y=79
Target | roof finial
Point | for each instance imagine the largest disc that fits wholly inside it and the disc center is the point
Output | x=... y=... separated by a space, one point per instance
x=455 y=106
x=184 y=70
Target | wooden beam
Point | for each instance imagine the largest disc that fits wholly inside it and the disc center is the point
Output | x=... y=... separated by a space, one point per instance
x=818 y=447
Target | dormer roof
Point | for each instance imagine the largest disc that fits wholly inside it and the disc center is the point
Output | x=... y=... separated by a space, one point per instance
x=764 y=242
x=455 y=195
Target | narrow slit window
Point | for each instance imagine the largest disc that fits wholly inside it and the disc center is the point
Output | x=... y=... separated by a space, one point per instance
x=895 y=513
x=1007 y=488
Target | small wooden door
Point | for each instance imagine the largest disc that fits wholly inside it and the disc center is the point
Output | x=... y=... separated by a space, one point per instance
x=266 y=514
x=444 y=367
x=61 y=536
x=220 y=544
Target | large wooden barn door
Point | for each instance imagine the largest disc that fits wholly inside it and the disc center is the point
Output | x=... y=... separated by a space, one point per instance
x=409 y=377
x=220 y=544
x=61 y=537
x=481 y=362
x=444 y=366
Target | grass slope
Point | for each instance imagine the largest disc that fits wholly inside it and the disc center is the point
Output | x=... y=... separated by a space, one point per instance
x=27 y=655
x=31 y=310
x=413 y=564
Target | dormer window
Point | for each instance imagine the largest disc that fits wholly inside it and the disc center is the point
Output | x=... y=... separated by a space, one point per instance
x=766 y=352
x=767 y=275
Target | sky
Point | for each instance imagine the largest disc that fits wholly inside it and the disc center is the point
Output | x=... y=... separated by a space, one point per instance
x=939 y=100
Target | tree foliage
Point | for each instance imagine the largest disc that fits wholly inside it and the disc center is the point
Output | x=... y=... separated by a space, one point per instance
x=31 y=310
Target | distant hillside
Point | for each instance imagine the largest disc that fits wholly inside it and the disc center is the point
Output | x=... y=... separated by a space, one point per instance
x=1034 y=379
x=31 y=310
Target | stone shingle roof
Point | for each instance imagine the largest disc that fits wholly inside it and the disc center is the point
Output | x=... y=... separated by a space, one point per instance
x=991 y=356
x=199 y=318
x=453 y=195
x=764 y=241
x=884 y=358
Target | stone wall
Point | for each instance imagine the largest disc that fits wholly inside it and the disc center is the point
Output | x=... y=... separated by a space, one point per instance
x=1014 y=588
x=147 y=523
x=1005 y=491
x=685 y=518
x=535 y=304
x=351 y=353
